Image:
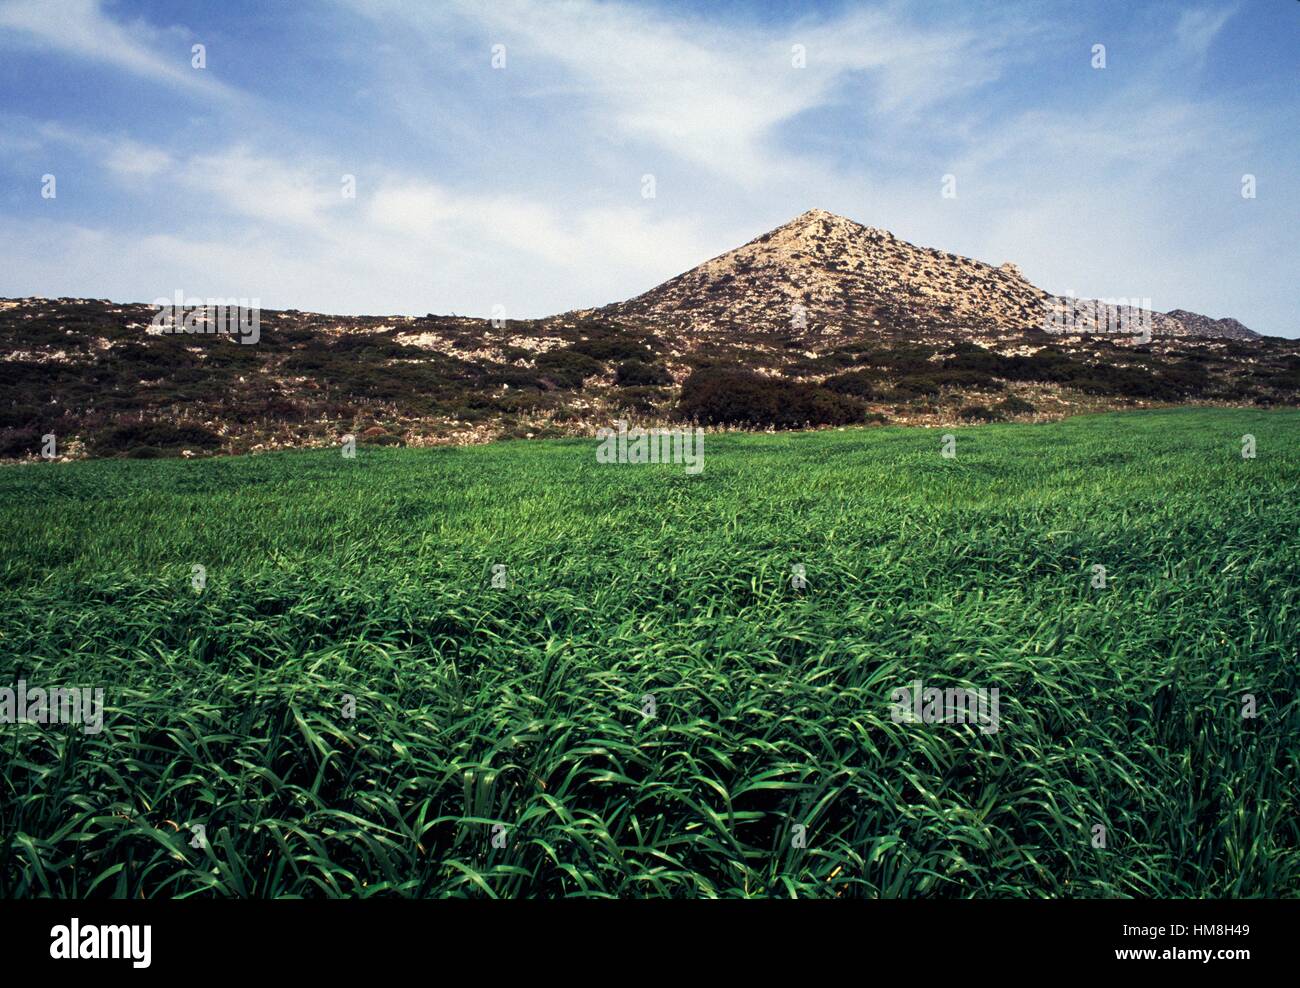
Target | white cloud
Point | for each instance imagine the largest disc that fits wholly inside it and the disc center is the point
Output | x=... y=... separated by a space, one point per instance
x=81 y=29
x=712 y=94
x=278 y=228
x=135 y=161
x=122 y=157
x=521 y=187
x=264 y=188
x=1197 y=27
x=595 y=236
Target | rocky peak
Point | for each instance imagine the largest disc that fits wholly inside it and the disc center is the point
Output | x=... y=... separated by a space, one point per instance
x=821 y=272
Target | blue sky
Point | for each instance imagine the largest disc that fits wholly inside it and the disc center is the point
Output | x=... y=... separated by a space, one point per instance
x=522 y=185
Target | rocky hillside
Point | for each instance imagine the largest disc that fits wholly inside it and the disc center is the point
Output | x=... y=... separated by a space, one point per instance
x=1195 y=324
x=827 y=271
x=820 y=322
x=823 y=273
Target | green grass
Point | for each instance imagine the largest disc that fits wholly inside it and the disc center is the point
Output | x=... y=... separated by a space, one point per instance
x=522 y=706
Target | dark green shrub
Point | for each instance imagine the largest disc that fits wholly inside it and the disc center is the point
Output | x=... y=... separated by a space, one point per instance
x=700 y=360
x=1011 y=405
x=614 y=348
x=727 y=397
x=20 y=442
x=567 y=368
x=530 y=430
x=838 y=359
x=307 y=362
x=280 y=409
x=635 y=373
x=166 y=353
x=914 y=386
x=470 y=413
x=19 y=416
x=527 y=401
x=163 y=435
x=860 y=384
x=907 y=359
x=1186 y=377
x=516 y=377
x=640 y=399
x=950 y=378
x=978 y=413
x=373 y=346
x=968 y=356
x=1131 y=382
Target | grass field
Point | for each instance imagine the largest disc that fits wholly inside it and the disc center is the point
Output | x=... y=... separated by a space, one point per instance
x=500 y=743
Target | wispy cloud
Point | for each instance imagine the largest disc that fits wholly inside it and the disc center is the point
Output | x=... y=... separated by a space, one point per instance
x=81 y=29
x=1197 y=27
x=428 y=245
x=714 y=94
x=522 y=186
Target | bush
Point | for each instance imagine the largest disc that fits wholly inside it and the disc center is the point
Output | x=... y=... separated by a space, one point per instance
x=1050 y=364
x=281 y=409
x=643 y=400
x=613 y=348
x=859 y=384
x=17 y=416
x=163 y=436
x=567 y=368
x=968 y=356
x=522 y=402
x=906 y=359
x=1011 y=405
x=728 y=397
x=914 y=386
x=1130 y=382
x=518 y=377
x=373 y=346
x=702 y=360
x=19 y=442
x=947 y=377
x=471 y=412
x=978 y=413
x=1187 y=377
x=635 y=373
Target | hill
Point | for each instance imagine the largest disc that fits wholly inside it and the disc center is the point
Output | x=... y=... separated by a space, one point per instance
x=820 y=321
x=824 y=273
